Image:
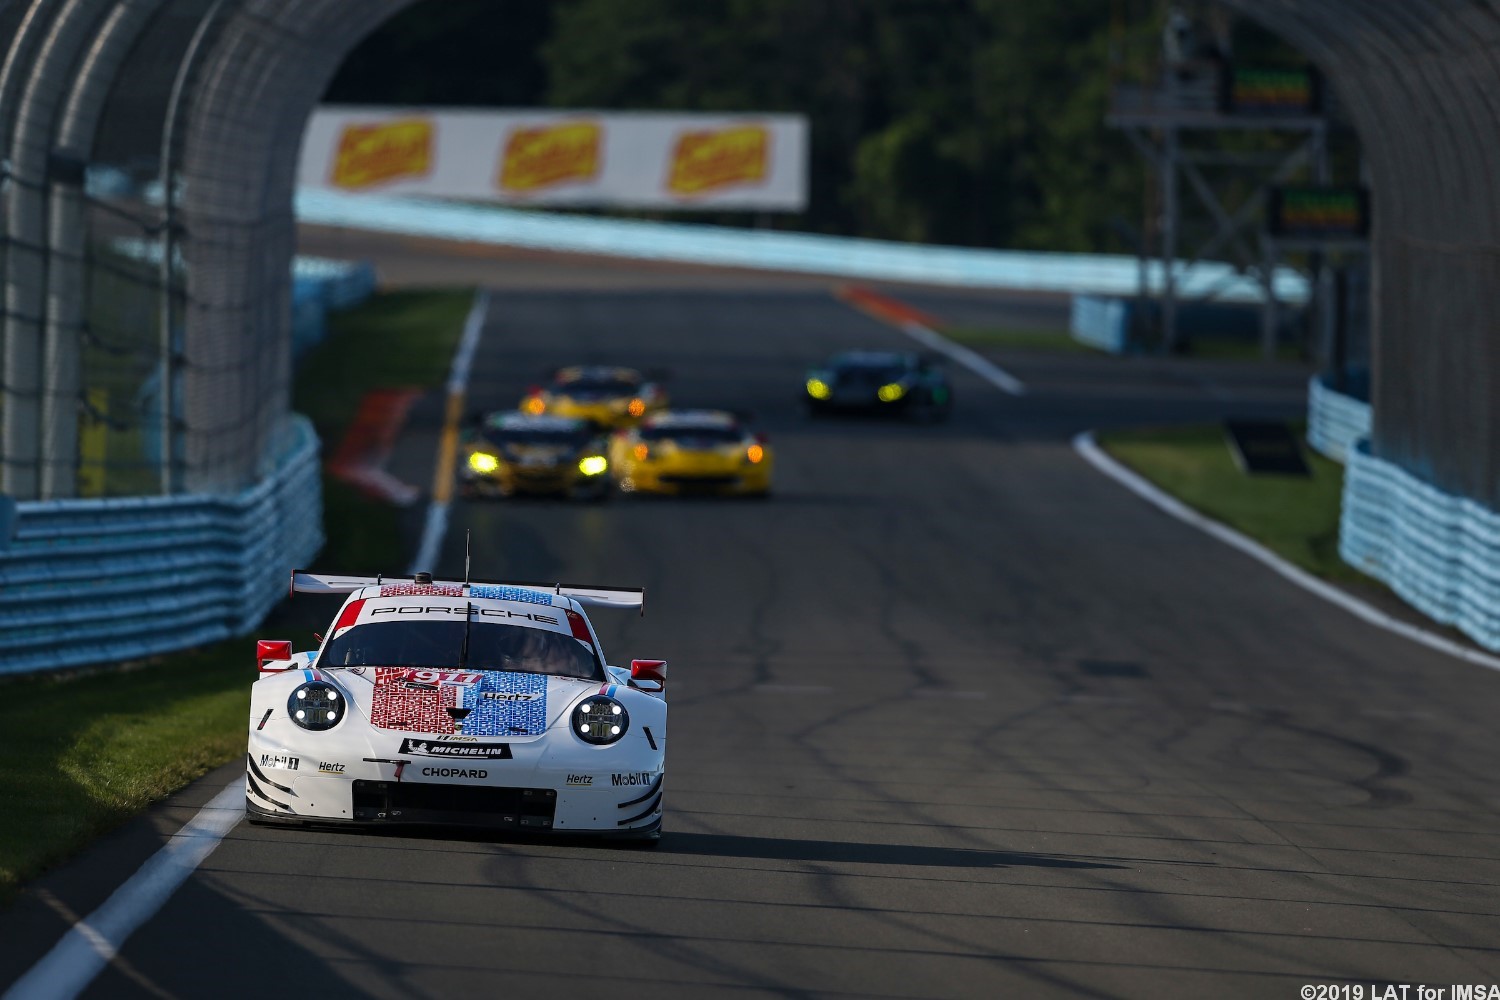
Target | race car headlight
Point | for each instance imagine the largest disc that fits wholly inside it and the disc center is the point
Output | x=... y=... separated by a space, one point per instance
x=600 y=721
x=890 y=392
x=818 y=389
x=483 y=462
x=636 y=407
x=316 y=706
x=754 y=454
x=535 y=405
x=593 y=465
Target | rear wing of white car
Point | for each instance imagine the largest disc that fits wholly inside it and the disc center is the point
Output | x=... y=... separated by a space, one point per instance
x=625 y=598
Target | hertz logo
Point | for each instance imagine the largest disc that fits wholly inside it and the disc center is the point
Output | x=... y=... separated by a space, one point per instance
x=706 y=161
x=374 y=154
x=536 y=158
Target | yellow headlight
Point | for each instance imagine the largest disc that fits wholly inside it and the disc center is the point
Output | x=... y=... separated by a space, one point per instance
x=818 y=389
x=592 y=465
x=483 y=462
x=755 y=453
x=636 y=408
x=535 y=405
x=890 y=392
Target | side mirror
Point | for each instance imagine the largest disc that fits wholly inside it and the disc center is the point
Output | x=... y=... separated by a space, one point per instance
x=648 y=675
x=269 y=650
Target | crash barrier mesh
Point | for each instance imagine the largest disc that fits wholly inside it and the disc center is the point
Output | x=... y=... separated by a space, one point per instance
x=107 y=581
x=774 y=251
x=1440 y=552
x=1335 y=420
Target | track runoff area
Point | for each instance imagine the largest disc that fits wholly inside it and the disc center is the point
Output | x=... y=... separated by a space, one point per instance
x=953 y=715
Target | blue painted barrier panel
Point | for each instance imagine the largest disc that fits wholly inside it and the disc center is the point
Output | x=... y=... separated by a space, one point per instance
x=1100 y=274
x=1335 y=421
x=1440 y=552
x=102 y=581
x=1100 y=322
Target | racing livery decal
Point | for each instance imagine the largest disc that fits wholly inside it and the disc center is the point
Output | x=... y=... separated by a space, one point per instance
x=407 y=699
x=503 y=593
x=499 y=703
x=509 y=704
x=438 y=748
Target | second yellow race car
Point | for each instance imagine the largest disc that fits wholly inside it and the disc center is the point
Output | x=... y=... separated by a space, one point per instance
x=605 y=396
x=692 y=451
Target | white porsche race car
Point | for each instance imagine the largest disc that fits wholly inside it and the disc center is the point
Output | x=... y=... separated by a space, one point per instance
x=457 y=704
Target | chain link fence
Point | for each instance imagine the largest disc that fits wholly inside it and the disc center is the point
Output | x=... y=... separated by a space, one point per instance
x=148 y=234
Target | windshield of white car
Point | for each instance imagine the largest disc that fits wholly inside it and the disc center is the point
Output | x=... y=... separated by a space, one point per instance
x=440 y=645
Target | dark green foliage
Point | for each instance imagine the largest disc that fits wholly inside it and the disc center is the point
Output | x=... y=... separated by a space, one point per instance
x=972 y=122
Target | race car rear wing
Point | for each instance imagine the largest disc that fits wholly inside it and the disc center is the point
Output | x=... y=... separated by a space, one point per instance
x=626 y=598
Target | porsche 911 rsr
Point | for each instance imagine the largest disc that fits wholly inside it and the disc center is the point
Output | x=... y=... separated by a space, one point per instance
x=692 y=451
x=879 y=382
x=476 y=705
x=607 y=397
x=511 y=453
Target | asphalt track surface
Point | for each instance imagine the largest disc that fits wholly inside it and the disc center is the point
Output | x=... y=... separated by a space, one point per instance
x=953 y=716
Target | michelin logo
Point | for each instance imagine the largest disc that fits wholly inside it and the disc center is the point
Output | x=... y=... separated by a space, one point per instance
x=431 y=748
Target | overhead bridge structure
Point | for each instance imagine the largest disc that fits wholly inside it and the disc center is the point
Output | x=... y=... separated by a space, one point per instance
x=178 y=122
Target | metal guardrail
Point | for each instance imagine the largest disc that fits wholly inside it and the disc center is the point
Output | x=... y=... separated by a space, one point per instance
x=1440 y=552
x=1335 y=421
x=100 y=581
x=1101 y=323
x=809 y=253
x=320 y=286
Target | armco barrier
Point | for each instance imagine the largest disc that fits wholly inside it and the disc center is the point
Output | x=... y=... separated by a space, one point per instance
x=1099 y=274
x=320 y=286
x=1441 y=553
x=101 y=581
x=1101 y=323
x=1335 y=421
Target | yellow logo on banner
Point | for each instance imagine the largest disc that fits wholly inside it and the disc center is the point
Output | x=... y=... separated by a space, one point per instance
x=536 y=158
x=706 y=161
x=373 y=154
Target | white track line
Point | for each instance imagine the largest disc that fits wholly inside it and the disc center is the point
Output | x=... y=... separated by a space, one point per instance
x=1087 y=447
x=990 y=372
x=436 y=525
x=92 y=943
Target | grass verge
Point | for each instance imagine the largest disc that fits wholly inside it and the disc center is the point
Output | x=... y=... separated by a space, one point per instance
x=89 y=750
x=1295 y=517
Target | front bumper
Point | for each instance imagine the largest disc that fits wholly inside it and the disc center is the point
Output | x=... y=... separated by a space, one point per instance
x=614 y=791
x=547 y=481
x=677 y=480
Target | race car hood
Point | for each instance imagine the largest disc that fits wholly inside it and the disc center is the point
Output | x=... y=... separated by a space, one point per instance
x=538 y=455
x=517 y=706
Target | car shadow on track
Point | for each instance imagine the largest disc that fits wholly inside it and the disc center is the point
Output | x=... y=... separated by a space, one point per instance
x=777 y=849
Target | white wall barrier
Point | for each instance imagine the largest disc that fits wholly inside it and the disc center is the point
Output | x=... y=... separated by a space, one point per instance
x=107 y=581
x=1441 y=553
x=1335 y=421
x=810 y=253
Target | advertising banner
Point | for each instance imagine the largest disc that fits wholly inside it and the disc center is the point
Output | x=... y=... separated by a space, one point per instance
x=672 y=160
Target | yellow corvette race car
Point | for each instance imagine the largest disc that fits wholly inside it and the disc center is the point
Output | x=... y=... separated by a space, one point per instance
x=691 y=451
x=510 y=453
x=607 y=397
